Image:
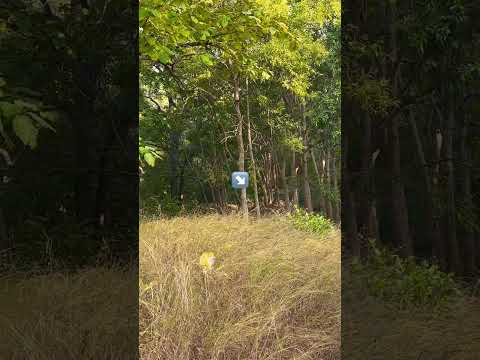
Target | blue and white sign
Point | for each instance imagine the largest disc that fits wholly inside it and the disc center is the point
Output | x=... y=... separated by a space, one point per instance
x=239 y=180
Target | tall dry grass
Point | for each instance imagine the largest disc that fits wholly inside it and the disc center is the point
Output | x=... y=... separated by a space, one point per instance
x=274 y=292
x=91 y=314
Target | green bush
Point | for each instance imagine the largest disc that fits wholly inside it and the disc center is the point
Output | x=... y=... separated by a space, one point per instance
x=305 y=221
x=163 y=205
x=166 y=206
x=405 y=282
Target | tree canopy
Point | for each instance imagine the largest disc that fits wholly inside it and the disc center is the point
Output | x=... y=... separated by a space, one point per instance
x=229 y=85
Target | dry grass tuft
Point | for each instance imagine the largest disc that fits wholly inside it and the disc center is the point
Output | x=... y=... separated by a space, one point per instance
x=274 y=292
x=87 y=315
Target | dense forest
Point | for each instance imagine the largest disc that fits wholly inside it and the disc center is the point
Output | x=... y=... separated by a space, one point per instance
x=68 y=131
x=232 y=86
x=410 y=130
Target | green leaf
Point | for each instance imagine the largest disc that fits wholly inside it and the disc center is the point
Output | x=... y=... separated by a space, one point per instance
x=206 y=59
x=149 y=159
x=10 y=110
x=265 y=75
x=143 y=13
x=224 y=20
x=25 y=129
x=52 y=116
x=41 y=121
x=205 y=35
x=26 y=104
x=163 y=56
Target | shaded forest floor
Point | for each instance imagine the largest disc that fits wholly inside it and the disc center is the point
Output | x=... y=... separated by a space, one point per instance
x=273 y=292
x=378 y=327
x=90 y=314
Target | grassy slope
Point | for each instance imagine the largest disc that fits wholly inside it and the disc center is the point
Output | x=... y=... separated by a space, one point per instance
x=274 y=293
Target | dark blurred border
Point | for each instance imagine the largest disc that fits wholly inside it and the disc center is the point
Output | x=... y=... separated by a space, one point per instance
x=69 y=179
x=410 y=179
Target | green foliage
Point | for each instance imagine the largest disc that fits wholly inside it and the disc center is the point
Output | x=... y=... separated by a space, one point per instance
x=148 y=153
x=405 y=282
x=22 y=116
x=191 y=54
x=160 y=205
x=294 y=143
x=314 y=223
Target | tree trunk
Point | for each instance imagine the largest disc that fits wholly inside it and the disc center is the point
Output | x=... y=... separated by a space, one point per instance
x=401 y=227
x=439 y=247
x=306 y=184
x=335 y=202
x=328 y=200
x=453 y=248
x=252 y=158
x=283 y=175
x=241 y=149
x=320 y=184
x=468 y=236
x=365 y=177
x=349 y=220
x=430 y=228
x=173 y=156
x=293 y=170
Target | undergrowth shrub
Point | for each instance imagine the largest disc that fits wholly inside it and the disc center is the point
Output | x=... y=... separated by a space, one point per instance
x=305 y=221
x=405 y=282
x=166 y=206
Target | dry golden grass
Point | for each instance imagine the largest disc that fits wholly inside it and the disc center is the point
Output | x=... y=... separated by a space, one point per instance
x=373 y=329
x=87 y=315
x=274 y=292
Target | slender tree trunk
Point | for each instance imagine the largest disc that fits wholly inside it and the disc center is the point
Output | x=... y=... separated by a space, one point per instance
x=399 y=206
x=212 y=192
x=276 y=172
x=453 y=248
x=349 y=219
x=283 y=175
x=468 y=236
x=335 y=202
x=306 y=183
x=270 y=180
x=328 y=201
x=430 y=228
x=252 y=158
x=401 y=227
x=439 y=247
x=365 y=177
x=320 y=184
x=293 y=169
x=173 y=156
x=241 y=149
